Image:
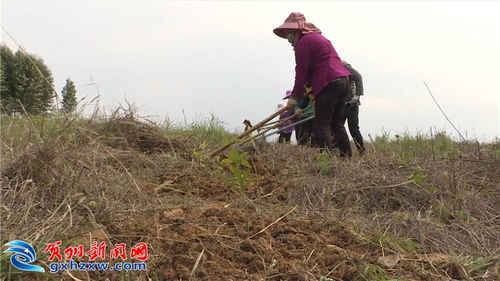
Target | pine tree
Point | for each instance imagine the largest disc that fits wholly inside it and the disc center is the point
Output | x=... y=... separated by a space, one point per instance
x=27 y=86
x=7 y=93
x=27 y=83
x=69 y=96
x=47 y=85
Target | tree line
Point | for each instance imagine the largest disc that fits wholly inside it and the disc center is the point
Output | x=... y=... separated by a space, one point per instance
x=27 y=85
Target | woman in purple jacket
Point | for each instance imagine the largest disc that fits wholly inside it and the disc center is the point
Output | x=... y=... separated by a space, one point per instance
x=318 y=64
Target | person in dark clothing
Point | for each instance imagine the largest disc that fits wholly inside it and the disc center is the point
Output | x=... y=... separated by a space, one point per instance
x=284 y=138
x=318 y=64
x=285 y=133
x=247 y=124
x=352 y=106
x=304 y=132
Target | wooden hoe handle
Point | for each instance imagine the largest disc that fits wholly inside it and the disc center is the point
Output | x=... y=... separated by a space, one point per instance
x=247 y=132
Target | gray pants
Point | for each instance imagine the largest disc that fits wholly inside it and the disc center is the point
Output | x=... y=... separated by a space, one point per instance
x=351 y=114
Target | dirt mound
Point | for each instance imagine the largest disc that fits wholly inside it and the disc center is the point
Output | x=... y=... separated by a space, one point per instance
x=244 y=245
x=127 y=132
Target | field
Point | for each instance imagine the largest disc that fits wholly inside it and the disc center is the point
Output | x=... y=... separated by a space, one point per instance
x=415 y=207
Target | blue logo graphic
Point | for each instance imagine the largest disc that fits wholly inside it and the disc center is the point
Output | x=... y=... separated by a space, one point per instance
x=23 y=254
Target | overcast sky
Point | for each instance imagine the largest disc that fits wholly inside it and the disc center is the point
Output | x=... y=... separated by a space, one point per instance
x=222 y=58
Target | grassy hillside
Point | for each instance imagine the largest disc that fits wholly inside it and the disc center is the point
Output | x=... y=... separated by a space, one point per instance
x=414 y=208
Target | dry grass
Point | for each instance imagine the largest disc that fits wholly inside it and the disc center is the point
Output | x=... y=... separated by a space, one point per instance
x=449 y=205
x=120 y=179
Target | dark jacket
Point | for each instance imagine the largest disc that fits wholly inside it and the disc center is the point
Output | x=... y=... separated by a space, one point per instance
x=356 y=87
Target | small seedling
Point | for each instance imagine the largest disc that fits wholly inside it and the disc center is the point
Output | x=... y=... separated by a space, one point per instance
x=423 y=182
x=475 y=264
x=201 y=154
x=399 y=244
x=374 y=272
x=323 y=163
x=239 y=167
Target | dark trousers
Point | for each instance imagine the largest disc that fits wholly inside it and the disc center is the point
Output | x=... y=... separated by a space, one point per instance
x=304 y=132
x=351 y=114
x=329 y=108
x=284 y=138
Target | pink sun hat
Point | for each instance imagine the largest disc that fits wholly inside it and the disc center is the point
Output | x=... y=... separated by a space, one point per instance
x=295 y=20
